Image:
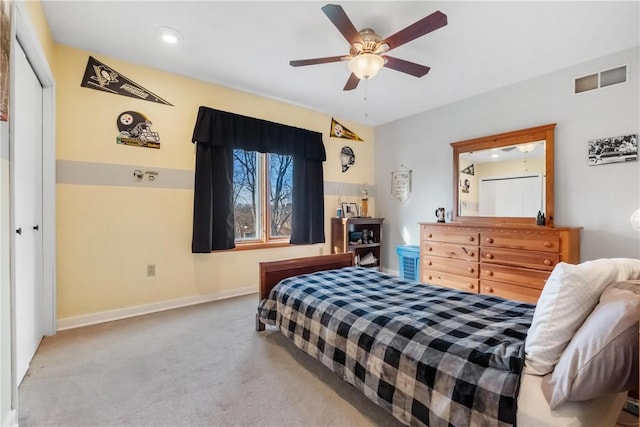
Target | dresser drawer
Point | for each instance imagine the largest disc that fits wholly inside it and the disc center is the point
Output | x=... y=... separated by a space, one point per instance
x=520 y=241
x=503 y=290
x=449 y=280
x=447 y=265
x=527 y=259
x=441 y=234
x=514 y=275
x=453 y=251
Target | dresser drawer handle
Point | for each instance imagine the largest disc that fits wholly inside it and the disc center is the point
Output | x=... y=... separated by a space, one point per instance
x=471 y=238
x=547 y=262
x=429 y=263
x=429 y=248
x=471 y=286
x=471 y=270
x=490 y=290
x=429 y=277
x=489 y=256
x=429 y=235
x=548 y=244
x=489 y=240
x=489 y=273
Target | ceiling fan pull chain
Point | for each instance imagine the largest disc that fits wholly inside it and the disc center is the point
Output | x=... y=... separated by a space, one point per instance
x=366 y=86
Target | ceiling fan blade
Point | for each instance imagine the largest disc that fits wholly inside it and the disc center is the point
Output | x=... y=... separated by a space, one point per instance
x=406 y=66
x=424 y=26
x=301 y=62
x=352 y=83
x=337 y=15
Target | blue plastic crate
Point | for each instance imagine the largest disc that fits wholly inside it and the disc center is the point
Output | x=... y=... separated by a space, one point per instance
x=409 y=261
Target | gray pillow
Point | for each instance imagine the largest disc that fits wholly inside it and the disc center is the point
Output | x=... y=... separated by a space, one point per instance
x=602 y=357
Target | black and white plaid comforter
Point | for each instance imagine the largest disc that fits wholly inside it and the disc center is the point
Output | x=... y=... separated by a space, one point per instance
x=429 y=355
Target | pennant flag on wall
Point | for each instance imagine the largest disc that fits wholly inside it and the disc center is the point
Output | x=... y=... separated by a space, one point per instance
x=101 y=77
x=468 y=170
x=339 y=131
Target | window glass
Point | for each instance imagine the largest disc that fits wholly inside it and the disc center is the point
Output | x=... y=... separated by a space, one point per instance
x=262 y=183
x=246 y=197
x=280 y=195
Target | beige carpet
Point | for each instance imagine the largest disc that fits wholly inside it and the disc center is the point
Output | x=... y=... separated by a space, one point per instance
x=197 y=366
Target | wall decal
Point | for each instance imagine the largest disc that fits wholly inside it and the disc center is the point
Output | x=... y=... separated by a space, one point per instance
x=5 y=54
x=135 y=129
x=347 y=158
x=339 y=131
x=401 y=184
x=101 y=77
x=613 y=150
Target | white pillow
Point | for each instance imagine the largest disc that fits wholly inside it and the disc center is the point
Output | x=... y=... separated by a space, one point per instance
x=602 y=357
x=570 y=294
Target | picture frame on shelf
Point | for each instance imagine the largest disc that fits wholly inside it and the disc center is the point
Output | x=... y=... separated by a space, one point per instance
x=350 y=210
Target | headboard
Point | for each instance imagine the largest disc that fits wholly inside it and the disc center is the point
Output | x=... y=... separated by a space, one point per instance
x=272 y=272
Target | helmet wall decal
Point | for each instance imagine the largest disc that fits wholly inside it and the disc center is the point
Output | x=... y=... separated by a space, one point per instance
x=135 y=129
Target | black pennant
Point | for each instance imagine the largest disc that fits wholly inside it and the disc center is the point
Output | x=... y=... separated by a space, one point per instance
x=101 y=77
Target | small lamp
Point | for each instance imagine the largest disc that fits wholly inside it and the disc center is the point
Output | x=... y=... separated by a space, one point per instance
x=366 y=65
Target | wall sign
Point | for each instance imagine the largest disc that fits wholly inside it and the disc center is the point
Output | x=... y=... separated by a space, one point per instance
x=401 y=184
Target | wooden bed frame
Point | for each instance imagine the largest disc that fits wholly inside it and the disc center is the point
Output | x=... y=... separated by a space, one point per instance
x=272 y=272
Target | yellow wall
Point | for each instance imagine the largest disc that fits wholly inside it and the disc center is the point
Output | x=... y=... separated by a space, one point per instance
x=107 y=234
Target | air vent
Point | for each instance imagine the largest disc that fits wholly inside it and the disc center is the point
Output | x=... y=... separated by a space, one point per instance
x=602 y=79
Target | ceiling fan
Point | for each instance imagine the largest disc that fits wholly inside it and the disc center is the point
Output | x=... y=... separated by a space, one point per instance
x=367 y=54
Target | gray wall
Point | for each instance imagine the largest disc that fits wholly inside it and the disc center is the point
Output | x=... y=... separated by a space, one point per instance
x=598 y=198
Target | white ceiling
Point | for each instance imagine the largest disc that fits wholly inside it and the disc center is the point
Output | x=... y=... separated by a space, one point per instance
x=248 y=46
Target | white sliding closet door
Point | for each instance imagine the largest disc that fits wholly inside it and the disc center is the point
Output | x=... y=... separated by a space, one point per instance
x=27 y=174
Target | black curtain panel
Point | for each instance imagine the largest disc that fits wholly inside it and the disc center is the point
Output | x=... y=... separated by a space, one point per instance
x=217 y=133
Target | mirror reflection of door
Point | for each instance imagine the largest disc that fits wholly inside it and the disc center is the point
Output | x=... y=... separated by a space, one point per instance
x=517 y=196
x=503 y=182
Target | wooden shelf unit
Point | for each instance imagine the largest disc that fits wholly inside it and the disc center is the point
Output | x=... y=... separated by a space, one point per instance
x=340 y=232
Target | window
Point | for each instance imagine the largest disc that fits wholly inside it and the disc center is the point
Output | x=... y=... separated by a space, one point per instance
x=262 y=196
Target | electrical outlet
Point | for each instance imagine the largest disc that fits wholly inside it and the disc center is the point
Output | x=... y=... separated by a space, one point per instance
x=151 y=270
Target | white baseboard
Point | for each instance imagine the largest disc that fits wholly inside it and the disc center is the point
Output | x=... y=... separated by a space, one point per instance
x=123 y=313
x=390 y=271
x=11 y=420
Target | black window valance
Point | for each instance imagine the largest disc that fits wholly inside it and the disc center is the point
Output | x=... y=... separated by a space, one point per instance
x=217 y=134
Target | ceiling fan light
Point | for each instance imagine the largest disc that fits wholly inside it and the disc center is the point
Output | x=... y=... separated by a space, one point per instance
x=366 y=65
x=527 y=148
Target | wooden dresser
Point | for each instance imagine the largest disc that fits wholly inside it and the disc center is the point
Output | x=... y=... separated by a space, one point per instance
x=510 y=261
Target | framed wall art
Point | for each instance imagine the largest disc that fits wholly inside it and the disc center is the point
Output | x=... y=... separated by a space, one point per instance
x=350 y=210
x=615 y=149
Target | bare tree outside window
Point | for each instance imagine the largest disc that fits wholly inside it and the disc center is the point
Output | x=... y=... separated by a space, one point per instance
x=249 y=175
x=245 y=193
x=280 y=194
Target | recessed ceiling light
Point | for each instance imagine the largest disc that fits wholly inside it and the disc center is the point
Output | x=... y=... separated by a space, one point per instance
x=170 y=35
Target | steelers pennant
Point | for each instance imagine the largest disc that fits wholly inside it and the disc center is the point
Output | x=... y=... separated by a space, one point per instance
x=339 y=131
x=103 y=78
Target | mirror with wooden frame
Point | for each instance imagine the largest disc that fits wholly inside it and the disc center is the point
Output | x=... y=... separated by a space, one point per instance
x=505 y=178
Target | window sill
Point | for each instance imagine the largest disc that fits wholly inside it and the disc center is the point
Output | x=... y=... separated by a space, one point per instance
x=260 y=245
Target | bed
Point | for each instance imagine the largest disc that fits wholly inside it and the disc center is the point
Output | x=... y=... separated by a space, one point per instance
x=433 y=356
